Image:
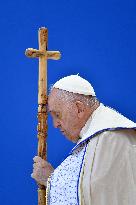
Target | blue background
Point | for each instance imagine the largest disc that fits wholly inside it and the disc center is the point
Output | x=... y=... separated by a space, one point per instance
x=97 y=39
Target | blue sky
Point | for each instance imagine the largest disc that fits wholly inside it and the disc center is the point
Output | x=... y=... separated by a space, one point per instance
x=97 y=39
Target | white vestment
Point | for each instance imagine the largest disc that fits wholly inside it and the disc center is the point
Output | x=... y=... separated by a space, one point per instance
x=108 y=171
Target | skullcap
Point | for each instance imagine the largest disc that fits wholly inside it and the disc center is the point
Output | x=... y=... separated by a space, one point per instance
x=75 y=84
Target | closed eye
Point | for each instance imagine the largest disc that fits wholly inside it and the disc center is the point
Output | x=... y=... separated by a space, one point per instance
x=55 y=114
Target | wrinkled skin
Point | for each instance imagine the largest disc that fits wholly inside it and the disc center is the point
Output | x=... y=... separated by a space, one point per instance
x=41 y=170
x=69 y=117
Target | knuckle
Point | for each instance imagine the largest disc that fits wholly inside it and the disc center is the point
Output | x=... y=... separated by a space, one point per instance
x=36 y=158
x=34 y=165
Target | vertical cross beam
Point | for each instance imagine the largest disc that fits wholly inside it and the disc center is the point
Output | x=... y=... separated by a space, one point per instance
x=43 y=56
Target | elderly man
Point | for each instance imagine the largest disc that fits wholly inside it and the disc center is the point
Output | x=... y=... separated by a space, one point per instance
x=101 y=168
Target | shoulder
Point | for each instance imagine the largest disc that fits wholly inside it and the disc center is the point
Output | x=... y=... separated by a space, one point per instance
x=118 y=137
x=113 y=148
x=112 y=168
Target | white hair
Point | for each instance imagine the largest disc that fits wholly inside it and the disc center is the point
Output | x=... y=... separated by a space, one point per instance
x=67 y=96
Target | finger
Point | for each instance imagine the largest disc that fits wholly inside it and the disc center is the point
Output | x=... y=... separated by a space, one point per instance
x=36 y=170
x=35 y=174
x=40 y=162
x=34 y=177
x=36 y=165
x=43 y=163
x=37 y=159
x=39 y=165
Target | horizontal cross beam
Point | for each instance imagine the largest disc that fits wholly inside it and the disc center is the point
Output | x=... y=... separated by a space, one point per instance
x=34 y=53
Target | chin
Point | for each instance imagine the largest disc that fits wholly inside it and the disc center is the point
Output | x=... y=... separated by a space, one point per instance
x=73 y=138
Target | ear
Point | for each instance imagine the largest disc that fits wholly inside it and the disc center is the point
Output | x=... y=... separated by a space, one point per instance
x=80 y=108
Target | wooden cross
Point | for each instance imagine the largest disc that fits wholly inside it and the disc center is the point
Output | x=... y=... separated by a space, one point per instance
x=43 y=56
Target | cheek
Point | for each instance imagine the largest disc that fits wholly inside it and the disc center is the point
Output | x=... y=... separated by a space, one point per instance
x=65 y=121
x=71 y=122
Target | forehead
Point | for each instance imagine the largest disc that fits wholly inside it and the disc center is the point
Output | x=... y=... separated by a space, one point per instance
x=53 y=100
x=53 y=95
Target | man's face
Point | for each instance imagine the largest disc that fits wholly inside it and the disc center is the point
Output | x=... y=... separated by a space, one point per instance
x=65 y=116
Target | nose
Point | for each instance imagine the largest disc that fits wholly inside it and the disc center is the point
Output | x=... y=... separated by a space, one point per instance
x=56 y=123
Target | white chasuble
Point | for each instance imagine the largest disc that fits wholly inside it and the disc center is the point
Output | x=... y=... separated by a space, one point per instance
x=101 y=168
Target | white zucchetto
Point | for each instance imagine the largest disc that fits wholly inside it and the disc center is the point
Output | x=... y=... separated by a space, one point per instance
x=75 y=84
